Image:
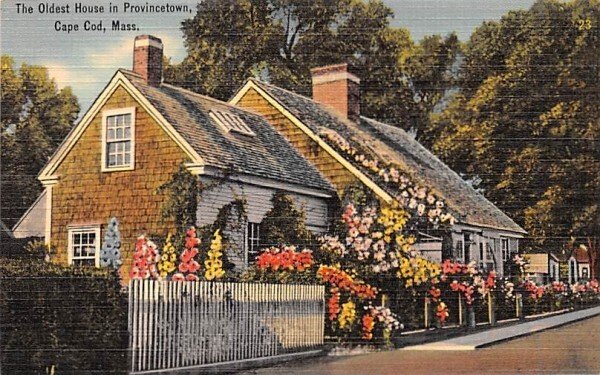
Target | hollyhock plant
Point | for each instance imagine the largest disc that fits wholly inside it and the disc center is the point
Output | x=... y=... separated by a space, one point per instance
x=188 y=266
x=348 y=315
x=442 y=312
x=368 y=324
x=110 y=254
x=145 y=258
x=166 y=266
x=214 y=264
x=333 y=304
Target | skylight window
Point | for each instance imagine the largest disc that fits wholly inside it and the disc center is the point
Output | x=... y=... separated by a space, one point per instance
x=231 y=123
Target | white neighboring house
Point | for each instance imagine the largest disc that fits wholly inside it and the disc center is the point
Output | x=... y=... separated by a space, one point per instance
x=581 y=264
x=543 y=268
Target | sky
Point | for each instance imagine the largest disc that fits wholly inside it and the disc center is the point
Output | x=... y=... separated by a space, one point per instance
x=86 y=60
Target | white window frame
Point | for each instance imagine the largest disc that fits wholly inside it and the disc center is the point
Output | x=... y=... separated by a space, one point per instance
x=461 y=249
x=104 y=162
x=249 y=238
x=505 y=250
x=84 y=229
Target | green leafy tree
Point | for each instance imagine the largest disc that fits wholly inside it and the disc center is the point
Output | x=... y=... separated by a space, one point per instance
x=281 y=40
x=526 y=119
x=35 y=118
x=227 y=41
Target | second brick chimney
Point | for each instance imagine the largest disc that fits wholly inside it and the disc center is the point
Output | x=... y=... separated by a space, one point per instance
x=335 y=87
x=147 y=58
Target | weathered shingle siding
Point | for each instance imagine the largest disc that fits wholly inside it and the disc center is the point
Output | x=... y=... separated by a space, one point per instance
x=337 y=174
x=85 y=195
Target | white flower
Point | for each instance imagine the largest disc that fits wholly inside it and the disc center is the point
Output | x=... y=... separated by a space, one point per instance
x=412 y=204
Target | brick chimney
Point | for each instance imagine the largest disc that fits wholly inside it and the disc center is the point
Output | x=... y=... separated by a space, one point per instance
x=147 y=58
x=335 y=87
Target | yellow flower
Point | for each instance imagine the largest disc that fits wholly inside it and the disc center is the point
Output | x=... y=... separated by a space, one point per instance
x=168 y=258
x=348 y=314
x=209 y=274
x=214 y=263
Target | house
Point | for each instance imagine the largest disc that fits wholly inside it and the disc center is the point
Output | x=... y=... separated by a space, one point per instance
x=483 y=234
x=543 y=268
x=581 y=264
x=133 y=139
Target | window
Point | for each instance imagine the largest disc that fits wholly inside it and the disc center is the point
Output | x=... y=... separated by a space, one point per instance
x=252 y=241
x=231 y=122
x=118 y=144
x=584 y=272
x=460 y=251
x=505 y=250
x=489 y=256
x=84 y=246
x=572 y=272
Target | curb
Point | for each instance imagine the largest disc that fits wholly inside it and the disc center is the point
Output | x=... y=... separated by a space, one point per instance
x=495 y=336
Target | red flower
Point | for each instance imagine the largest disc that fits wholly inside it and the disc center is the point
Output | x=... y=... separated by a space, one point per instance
x=193 y=266
x=435 y=293
x=183 y=267
x=368 y=323
x=333 y=305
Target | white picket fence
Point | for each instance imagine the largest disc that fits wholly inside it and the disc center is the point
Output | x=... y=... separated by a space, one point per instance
x=179 y=324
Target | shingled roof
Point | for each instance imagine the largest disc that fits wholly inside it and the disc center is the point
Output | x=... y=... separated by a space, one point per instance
x=393 y=144
x=266 y=154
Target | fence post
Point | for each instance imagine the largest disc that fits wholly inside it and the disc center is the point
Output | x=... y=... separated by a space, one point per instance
x=427 y=315
x=460 y=311
x=129 y=358
x=519 y=305
x=471 y=323
x=491 y=310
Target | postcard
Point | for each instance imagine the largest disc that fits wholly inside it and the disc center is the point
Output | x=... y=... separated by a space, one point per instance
x=299 y=187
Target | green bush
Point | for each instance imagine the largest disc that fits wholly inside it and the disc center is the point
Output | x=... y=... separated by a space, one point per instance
x=73 y=319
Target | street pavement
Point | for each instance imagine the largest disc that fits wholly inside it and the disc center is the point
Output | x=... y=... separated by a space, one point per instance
x=569 y=349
